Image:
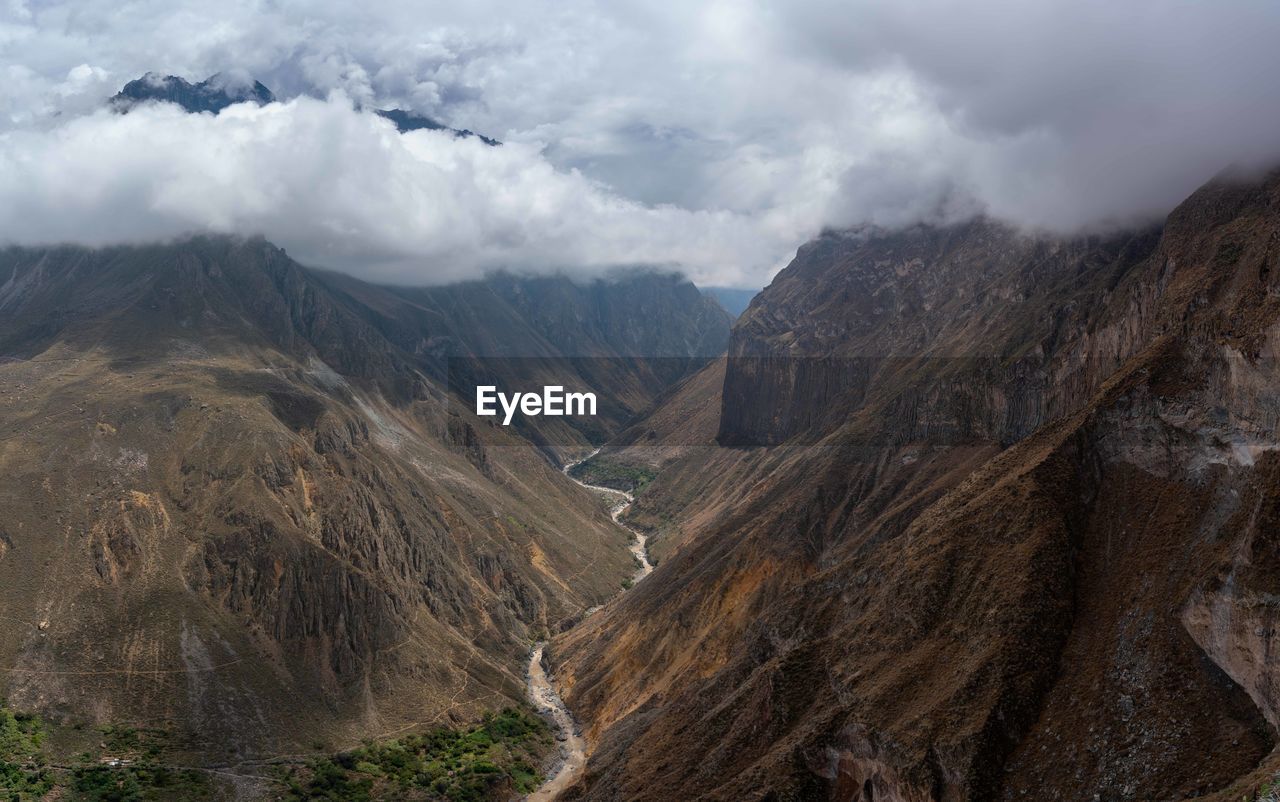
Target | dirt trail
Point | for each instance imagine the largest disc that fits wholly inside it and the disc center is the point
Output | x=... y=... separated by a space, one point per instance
x=573 y=749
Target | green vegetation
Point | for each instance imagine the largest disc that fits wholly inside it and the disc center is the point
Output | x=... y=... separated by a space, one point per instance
x=24 y=773
x=132 y=767
x=1270 y=791
x=517 y=523
x=127 y=767
x=603 y=472
x=491 y=760
x=1228 y=254
x=488 y=761
x=148 y=780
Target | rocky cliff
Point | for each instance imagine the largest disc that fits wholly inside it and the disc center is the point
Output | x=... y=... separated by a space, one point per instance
x=1021 y=553
x=969 y=318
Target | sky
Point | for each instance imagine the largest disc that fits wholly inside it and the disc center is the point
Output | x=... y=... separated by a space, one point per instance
x=713 y=137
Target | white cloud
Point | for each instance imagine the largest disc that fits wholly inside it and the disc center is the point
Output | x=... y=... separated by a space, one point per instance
x=342 y=188
x=717 y=134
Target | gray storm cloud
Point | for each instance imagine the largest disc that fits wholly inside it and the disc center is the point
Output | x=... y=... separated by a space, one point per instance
x=716 y=136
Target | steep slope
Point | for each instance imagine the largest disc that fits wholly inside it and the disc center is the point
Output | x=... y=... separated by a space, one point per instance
x=235 y=509
x=864 y=310
x=898 y=605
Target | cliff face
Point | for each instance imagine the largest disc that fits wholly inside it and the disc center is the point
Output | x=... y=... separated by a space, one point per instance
x=235 y=507
x=970 y=318
x=1049 y=578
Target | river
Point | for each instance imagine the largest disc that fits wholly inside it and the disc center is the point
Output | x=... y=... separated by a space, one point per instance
x=573 y=748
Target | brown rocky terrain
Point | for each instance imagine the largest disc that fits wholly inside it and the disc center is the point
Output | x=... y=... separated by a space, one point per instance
x=993 y=523
x=240 y=504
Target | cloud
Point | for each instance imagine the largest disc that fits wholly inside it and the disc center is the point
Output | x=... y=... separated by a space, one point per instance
x=718 y=135
x=338 y=187
x=1061 y=114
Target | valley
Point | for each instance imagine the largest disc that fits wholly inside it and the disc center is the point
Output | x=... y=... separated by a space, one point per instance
x=541 y=690
x=293 y=537
x=904 y=542
x=572 y=751
x=623 y=501
x=763 y=401
x=953 y=532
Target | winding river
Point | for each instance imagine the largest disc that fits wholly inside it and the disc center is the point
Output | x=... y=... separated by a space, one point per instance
x=573 y=748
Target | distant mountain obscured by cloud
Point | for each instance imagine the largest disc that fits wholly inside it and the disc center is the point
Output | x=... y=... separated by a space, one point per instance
x=739 y=129
x=339 y=187
x=212 y=95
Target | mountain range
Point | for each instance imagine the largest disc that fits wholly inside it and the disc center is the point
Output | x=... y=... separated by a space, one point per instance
x=242 y=501
x=217 y=92
x=948 y=512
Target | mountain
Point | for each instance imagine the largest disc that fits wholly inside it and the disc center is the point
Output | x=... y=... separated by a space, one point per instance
x=977 y=308
x=627 y=337
x=242 y=506
x=212 y=95
x=734 y=301
x=995 y=524
x=408 y=121
x=220 y=91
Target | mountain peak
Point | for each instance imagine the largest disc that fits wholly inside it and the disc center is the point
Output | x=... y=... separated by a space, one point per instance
x=212 y=94
x=224 y=89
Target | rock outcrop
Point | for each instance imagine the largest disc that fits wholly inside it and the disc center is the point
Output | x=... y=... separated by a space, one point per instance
x=966 y=324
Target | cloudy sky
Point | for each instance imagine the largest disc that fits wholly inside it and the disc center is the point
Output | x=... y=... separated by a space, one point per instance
x=716 y=136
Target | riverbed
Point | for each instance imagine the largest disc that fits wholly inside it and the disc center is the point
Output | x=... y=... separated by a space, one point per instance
x=573 y=748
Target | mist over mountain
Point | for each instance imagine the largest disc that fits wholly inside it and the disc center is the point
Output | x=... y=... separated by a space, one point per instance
x=733 y=300
x=343 y=189
x=220 y=91
x=1055 y=116
x=408 y=121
